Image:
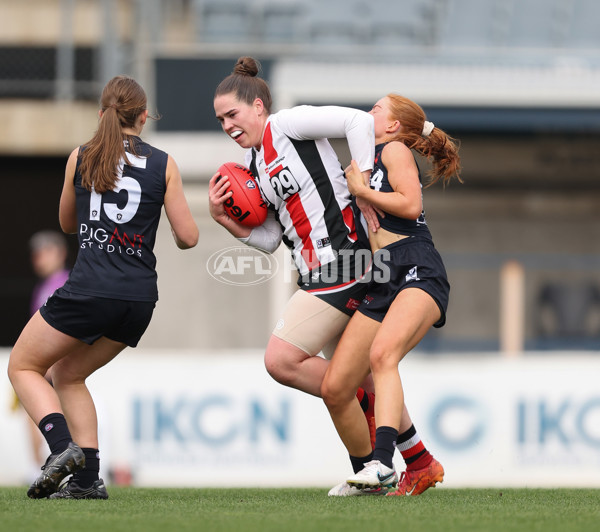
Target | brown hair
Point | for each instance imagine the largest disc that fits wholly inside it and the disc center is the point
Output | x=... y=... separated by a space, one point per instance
x=122 y=101
x=245 y=83
x=438 y=147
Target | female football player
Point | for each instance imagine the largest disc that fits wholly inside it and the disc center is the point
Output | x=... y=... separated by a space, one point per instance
x=114 y=189
x=302 y=182
x=304 y=185
x=407 y=295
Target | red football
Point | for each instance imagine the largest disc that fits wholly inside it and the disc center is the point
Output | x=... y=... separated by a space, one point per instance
x=246 y=205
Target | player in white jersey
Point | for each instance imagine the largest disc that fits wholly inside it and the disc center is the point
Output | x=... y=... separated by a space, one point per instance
x=310 y=210
x=303 y=183
x=302 y=180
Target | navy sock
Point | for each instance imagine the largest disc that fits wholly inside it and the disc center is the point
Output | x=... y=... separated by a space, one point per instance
x=358 y=464
x=90 y=473
x=56 y=432
x=385 y=438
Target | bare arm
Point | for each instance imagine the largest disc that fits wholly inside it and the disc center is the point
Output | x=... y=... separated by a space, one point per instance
x=406 y=200
x=183 y=226
x=67 y=211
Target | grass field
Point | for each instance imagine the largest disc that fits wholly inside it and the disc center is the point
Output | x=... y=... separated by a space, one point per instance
x=303 y=510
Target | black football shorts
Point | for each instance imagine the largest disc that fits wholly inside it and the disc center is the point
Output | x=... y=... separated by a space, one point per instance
x=409 y=263
x=88 y=318
x=341 y=283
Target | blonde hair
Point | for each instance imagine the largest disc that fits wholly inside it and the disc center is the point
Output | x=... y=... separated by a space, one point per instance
x=438 y=147
x=122 y=101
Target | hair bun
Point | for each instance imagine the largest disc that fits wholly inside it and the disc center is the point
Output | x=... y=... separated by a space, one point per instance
x=247 y=66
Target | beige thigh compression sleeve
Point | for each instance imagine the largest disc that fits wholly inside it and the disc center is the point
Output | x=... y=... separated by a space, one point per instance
x=311 y=324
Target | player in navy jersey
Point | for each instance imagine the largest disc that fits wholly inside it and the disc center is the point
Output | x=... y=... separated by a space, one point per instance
x=407 y=295
x=114 y=190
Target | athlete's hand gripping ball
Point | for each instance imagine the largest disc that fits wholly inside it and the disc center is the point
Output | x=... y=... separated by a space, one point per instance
x=245 y=205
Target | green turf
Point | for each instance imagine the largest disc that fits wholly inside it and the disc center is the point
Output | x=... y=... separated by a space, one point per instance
x=302 y=510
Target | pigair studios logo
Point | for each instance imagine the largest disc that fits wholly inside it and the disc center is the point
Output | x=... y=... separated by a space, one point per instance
x=241 y=265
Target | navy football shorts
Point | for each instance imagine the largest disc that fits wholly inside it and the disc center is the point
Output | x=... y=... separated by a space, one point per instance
x=88 y=318
x=409 y=263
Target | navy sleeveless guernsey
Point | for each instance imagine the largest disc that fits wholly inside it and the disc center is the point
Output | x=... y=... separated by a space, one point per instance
x=117 y=230
x=379 y=181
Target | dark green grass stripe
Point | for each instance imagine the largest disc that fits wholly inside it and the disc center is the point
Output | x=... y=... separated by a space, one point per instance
x=304 y=510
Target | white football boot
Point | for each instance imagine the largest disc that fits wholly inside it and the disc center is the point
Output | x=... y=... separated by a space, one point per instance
x=374 y=475
x=346 y=490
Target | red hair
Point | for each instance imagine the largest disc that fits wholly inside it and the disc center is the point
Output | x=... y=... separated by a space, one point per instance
x=438 y=147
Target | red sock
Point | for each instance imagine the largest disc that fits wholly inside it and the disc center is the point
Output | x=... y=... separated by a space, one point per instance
x=415 y=455
x=360 y=394
x=364 y=399
x=367 y=403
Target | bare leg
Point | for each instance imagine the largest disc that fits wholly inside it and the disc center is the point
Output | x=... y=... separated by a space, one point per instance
x=405 y=421
x=309 y=326
x=348 y=369
x=69 y=375
x=291 y=366
x=38 y=347
x=409 y=318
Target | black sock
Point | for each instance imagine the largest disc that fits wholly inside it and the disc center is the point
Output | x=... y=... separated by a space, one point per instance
x=90 y=473
x=56 y=432
x=358 y=464
x=385 y=438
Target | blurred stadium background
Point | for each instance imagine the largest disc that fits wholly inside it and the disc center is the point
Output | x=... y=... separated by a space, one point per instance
x=517 y=81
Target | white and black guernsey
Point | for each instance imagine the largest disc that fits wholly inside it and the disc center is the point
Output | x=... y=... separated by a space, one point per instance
x=117 y=230
x=302 y=179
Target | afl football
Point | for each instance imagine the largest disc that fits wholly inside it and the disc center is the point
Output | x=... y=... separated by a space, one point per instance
x=246 y=204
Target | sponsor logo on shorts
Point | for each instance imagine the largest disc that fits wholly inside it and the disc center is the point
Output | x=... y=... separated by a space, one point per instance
x=352 y=304
x=48 y=427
